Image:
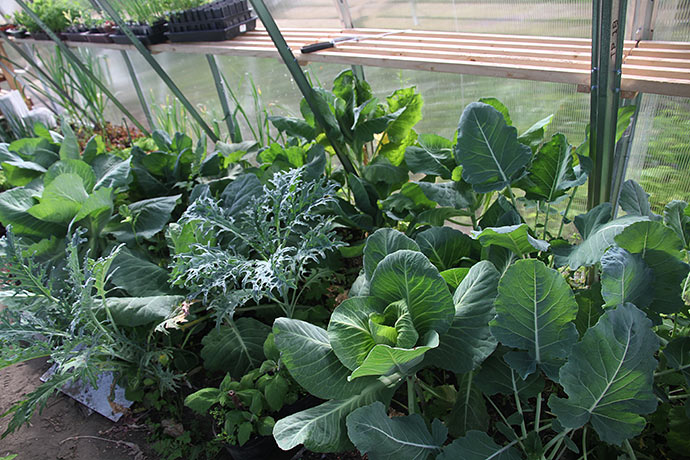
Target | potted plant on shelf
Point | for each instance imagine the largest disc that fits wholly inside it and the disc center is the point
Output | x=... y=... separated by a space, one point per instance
x=99 y=30
x=76 y=29
x=245 y=410
x=216 y=21
x=53 y=13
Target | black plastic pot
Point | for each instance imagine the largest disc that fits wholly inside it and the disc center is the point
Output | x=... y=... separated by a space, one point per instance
x=76 y=34
x=98 y=37
x=147 y=34
x=16 y=33
x=217 y=21
x=44 y=36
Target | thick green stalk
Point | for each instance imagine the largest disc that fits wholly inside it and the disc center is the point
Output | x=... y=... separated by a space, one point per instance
x=565 y=213
x=411 y=402
x=523 y=427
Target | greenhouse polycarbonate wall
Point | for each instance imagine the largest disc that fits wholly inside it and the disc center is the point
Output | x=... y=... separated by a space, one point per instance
x=660 y=152
x=660 y=157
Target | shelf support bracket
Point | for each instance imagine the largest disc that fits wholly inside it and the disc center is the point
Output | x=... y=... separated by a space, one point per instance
x=313 y=100
x=608 y=29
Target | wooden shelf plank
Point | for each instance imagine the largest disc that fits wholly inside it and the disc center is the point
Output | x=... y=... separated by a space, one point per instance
x=659 y=67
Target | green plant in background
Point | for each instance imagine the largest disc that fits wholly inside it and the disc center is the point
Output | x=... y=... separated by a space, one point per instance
x=245 y=408
x=55 y=14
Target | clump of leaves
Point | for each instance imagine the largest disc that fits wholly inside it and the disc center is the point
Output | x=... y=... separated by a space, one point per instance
x=71 y=320
x=258 y=242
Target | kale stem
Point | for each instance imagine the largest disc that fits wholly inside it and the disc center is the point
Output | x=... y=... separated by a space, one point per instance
x=584 y=443
x=410 y=395
x=546 y=221
x=523 y=427
x=503 y=417
x=565 y=213
x=512 y=198
x=536 y=217
x=630 y=450
x=538 y=414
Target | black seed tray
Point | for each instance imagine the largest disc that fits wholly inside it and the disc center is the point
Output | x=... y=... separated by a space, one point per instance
x=218 y=15
x=98 y=37
x=148 y=35
x=76 y=37
x=44 y=36
x=214 y=35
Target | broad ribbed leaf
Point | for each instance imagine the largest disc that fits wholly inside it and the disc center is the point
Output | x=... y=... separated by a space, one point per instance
x=634 y=200
x=69 y=149
x=598 y=232
x=138 y=276
x=589 y=303
x=235 y=348
x=477 y=445
x=240 y=192
x=454 y=276
x=150 y=217
x=112 y=172
x=98 y=209
x=497 y=377
x=678 y=220
x=61 y=199
x=14 y=211
x=534 y=135
x=444 y=246
x=322 y=428
x=306 y=352
x=469 y=411
x=677 y=354
x=409 y=276
x=608 y=377
x=625 y=277
x=535 y=308
x=434 y=156
x=469 y=342
x=641 y=237
x=348 y=330
x=138 y=311
x=77 y=167
x=488 y=150
x=382 y=359
x=551 y=172
x=513 y=237
x=381 y=243
x=374 y=433
x=500 y=106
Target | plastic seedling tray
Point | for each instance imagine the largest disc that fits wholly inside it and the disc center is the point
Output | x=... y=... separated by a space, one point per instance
x=213 y=35
x=98 y=37
x=148 y=35
x=76 y=36
x=44 y=36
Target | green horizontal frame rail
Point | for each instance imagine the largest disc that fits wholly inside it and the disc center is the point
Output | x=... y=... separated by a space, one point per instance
x=107 y=8
x=42 y=73
x=302 y=82
x=608 y=31
x=137 y=88
x=222 y=95
x=75 y=60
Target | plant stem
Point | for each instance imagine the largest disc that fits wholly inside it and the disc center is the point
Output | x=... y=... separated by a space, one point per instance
x=464 y=224
x=500 y=414
x=546 y=220
x=630 y=450
x=679 y=396
x=523 y=427
x=584 y=443
x=671 y=371
x=558 y=439
x=410 y=395
x=536 y=217
x=537 y=417
x=474 y=221
x=512 y=198
x=565 y=213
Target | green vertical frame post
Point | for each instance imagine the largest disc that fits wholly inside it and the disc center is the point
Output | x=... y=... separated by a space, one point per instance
x=137 y=89
x=608 y=29
x=107 y=8
x=346 y=18
x=302 y=82
x=74 y=59
x=222 y=95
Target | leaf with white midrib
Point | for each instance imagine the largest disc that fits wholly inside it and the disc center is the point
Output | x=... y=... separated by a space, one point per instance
x=609 y=376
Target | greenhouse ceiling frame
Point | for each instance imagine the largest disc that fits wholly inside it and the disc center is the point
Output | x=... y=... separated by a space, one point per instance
x=607 y=49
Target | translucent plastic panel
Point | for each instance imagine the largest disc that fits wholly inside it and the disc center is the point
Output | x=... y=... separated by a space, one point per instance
x=566 y=18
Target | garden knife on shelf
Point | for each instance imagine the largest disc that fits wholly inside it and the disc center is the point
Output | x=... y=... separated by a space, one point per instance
x=348 y=38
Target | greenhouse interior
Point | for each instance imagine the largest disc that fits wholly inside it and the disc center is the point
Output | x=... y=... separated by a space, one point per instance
x=344 y=229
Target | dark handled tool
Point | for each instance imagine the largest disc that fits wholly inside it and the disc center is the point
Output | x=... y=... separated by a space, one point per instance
x=349 y=38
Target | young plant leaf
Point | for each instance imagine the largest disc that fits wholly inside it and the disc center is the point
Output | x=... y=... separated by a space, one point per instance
x=374 y=433
x=61 y=200
x=469 y=342
x=77 y=167
x=641 y=237
x=513 y=237
x=138 y=311
x=454 y=276
x=608 y=377
x=534 y=136
x=551 y=172
x=149 y=217
x=469 y=411
x=497 y=377
x=625 y=277
x=677 y=354
x=444 y=246
x=634 y=200
x=488 y=150
x=678 y=220
x=590 y=303
x=535 y=309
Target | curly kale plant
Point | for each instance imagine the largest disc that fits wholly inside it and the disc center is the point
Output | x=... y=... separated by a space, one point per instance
x=71 y=320
x=258 y=242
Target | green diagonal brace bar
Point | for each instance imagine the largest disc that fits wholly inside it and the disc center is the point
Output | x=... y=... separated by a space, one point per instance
x=67 y=52
x=137 y=89
x=302 y=82
x=105 y=6
x=608 y=29
x=222 y=94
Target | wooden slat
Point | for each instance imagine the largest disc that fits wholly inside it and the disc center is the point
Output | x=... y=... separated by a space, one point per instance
x=649 y=66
